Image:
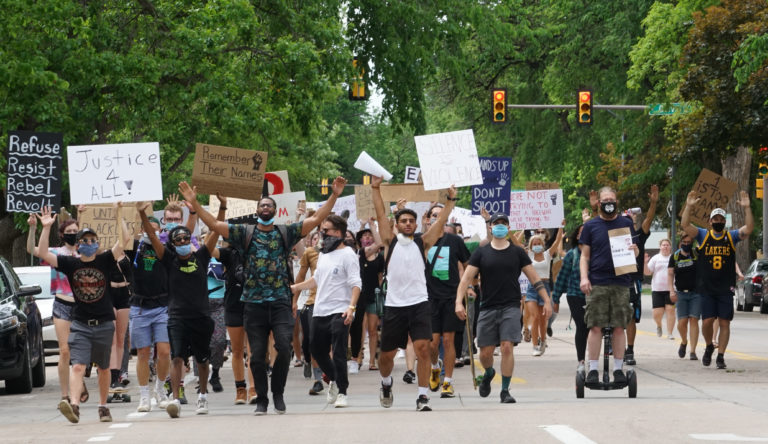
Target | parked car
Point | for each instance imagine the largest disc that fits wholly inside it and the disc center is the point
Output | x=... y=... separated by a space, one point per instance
x=42 y=276
x=749 y=290
x=22 y=357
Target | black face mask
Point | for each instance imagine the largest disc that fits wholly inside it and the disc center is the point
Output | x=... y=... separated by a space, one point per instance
x=350 y=243
x=330 y=243
x=69 y=238
x=687 y=248
x=718 y=226
x=609 y=208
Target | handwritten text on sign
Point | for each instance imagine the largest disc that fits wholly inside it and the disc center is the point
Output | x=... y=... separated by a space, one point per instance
x=714 y=191
x=536 y=209
x=233 y=172
x=127 y=172
x=493 y=194
x=448 y=159
x=34 y=171
x=102 y=220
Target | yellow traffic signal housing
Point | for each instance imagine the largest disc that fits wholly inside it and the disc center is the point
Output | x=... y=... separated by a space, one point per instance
x=358 y=90
x=366 y=179
x=584 y=108
x=499 y=106
x=324 y=186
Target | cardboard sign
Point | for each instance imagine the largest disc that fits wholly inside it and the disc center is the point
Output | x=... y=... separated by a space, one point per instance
x=493 y=194
x=715 y=191
x=285 y=213
x=34 y=171
x=277 y=182
x=127 y=172
x=233 y=172
x=412 y=174
x=529 y=186
x=412 y=192
x=536 y=209
x=448 y=159
x=101 y=219
x=623 y=257
x=364 y=202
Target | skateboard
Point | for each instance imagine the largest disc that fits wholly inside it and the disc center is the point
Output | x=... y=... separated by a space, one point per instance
x=118 y=394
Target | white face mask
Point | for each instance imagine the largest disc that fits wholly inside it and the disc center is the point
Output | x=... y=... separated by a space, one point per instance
x=403 y=239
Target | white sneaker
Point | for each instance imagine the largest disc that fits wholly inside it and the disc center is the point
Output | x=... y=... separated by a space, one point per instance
x=536 y=351
x=144 y=405
x=400 y=354
x=341 y=401
x=174 y=408
x=354 y=367
x=202 y=406
x=161 y=398
x=542 y=347
x=670 y=337
x=333 y=392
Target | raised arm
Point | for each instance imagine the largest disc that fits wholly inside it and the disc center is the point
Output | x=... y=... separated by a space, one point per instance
x=554 y=250
x=370 y=249
x=192 y=219
x=749 y=221
x=46 y=220
x=32 y=221
x=685 y=221
x=385 y=231
x=210 y=242
x=190 y=194
x=147 y=227
x=654 y=197
x=316 y=219
x=436 y=229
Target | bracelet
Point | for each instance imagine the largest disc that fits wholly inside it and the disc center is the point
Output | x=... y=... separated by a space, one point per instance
x=222 y=208
x=193 y=212
x=470 y=287
x=353 y=307
x=454 y=199
x=375 y=188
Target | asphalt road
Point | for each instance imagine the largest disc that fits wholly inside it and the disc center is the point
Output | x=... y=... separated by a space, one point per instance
x=678 y=401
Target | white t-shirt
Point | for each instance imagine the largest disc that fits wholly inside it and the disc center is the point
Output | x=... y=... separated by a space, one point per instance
x=406 y=282
x=658 y=266
x=542 y=268
x=336 y=274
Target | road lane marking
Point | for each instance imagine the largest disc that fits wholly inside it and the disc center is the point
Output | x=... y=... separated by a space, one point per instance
x=566 y=434
x=136 y=415
x=726 y=437
x=102 y=437
x=121 y=425
x=735 y=354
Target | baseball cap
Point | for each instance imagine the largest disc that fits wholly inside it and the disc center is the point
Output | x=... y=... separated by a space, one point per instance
x=499 y=216
x=717 y=212
x=85 y=231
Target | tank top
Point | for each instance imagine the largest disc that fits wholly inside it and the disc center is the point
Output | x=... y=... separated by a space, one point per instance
x=716 y=264
x=542 y=268
x=406 y=281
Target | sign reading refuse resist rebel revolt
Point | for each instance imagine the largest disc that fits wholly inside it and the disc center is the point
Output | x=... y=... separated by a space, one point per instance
x=233 y=172
x=34 y=171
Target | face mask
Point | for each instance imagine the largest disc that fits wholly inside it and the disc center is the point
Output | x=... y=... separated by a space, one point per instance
x=537 y=248
x=170 y=226
x=183 y=250
x=609 y=208
x=500 y=231
x=403 y=239
x=88 y=249
x=266 y=222
x=330 y=243
x=718 y=226
x=366 y=242
x=70 y=238
x=349 y=242
x=686 y=248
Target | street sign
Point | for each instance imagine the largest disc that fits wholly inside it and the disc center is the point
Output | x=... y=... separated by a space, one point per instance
x=666 y=109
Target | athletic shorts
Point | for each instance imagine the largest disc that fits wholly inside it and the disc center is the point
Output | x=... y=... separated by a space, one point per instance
x=717 y=306
x=400 y=322
x=444 y=319
x=148 y=326
x=497 y=325
x=233 y=318
x=660 y=298
x=688 y=305
x=608 y=306
x=62 y=309
x=91 y=343
x=190 y=337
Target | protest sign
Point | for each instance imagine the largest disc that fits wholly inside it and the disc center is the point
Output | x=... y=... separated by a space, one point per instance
x=127 y=172
x=369 y=165
x=448 y=159
x=411 y=192
x=242 y=209
x=493 y=194
x=412 y=174
x=364 y=202
x=471 y=225
x=623 y=257
x=714 y=191
x=233 y=172
x=536 y=209
x=530 y=186
x=34 y=171
x=278 y=182
x=101 y=219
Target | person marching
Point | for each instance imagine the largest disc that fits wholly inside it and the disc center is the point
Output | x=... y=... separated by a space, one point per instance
x=682 y=291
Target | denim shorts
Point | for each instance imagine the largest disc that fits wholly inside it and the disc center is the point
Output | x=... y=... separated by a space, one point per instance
x=532 y=295
x=148 y=326
x=688 y=305
x=62 y=310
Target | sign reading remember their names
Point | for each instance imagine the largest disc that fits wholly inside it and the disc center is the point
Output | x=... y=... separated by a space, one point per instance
x=101 y=219
x=34 y=171
x=127 y=172
x=714 y=191
x=536 y=209
x=448 y=159
x=285 y=213
x=233 y=172
x=493 y=194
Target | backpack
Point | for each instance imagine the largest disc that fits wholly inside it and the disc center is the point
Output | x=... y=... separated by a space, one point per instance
x=283 y=230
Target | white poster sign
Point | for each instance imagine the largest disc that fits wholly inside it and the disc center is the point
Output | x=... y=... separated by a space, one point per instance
x=471 y=225
x=449 y=159
x=277 y=182
x=285 y=213
x=127 y=172
x=345 y=207
x=533 y=209
x=412 y=174
x=623 y=257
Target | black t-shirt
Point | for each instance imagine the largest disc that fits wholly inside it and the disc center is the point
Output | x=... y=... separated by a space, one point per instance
x=685 y=271
x=444 y=279
x=499 y=273
x=187 y=284
x=369 y=273
x=120 y=273
x=639 y=238
x=90 y=285
x=150 y=278
x=233 y=274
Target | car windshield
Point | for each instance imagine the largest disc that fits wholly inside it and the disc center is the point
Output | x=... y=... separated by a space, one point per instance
x=762 y=266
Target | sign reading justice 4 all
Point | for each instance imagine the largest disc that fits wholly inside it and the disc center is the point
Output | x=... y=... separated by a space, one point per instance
x=34 y=171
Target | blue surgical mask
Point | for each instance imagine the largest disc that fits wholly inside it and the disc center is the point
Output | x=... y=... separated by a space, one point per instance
x=500 y=231
x=266 y=222
x=537 y=248
x=183 y=250
x=88 y=249
x=170 y=226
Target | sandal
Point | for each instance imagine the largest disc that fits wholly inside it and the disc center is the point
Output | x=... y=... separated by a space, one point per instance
x=527 y=334
x=84 y=394
x=373 y=368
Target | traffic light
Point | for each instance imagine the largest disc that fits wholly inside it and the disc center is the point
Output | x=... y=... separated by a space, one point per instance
x=584 y=108
x=324 y=186
x=366 y=179
x=762 y=172
x=357 y=88
x=499 y=106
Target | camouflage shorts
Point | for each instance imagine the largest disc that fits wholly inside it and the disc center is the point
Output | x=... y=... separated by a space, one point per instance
x=608 y=306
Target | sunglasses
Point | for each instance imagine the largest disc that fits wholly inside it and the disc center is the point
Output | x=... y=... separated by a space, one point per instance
x=184 y=239
x=89 y=241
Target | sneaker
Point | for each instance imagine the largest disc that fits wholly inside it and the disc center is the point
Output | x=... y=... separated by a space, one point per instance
x=458 y=363
x=619 y=377
x=202 y=406
x=161 y=398
x=681 y=350
x=173 y=408
x=536 y=351
x=104 y=415
x=279 y=403
x=317 y=388
x=341 y=401
x=71 y=412
x=447 y=391
x=485 y=384
x=144 y=405
x=658 y=331
x=467 y=361
x=182 y=399
x=506 y=398
x=434 y=379
x=241 y=396
x=592 y=377
x=707 y=358
x=307 y=370
x=354 y=367
x=543 y=346
x=409 y=377
x=124 y=379
x=629 y=358
x=261 y=407
x=580 y=368
x=693 y=357
x=385 y=396
x=333 y=392
x=216 y=385
x=549 y=333
x=670 y=337
x=527 y=334
x=422 y=404
x=252 y=396
x=720 y=362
